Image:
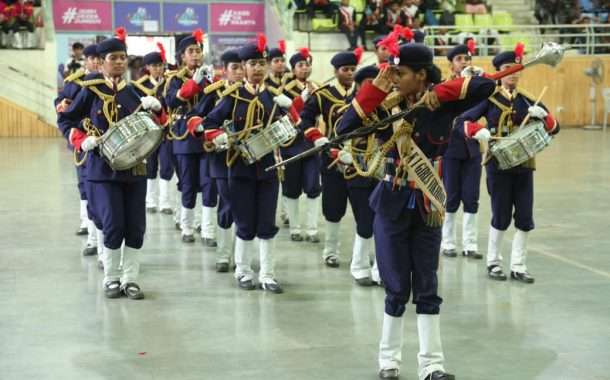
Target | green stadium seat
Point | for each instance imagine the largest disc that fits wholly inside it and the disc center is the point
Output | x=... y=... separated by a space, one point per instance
x=358 y=5
x=464 y=22
x=483 y=21
x=501 y=20
x=323 y=25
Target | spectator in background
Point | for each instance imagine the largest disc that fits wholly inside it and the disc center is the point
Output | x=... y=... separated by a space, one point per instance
x=427 y=7
x=475 y=7
x=77 y=60
x=372 y=19
x=393 y=16
x=24 y=16
x=556 y=11
x=410 y=10
x=321 y=5
x=347 y=23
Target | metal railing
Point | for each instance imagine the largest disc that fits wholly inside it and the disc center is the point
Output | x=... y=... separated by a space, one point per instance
x=585 y=38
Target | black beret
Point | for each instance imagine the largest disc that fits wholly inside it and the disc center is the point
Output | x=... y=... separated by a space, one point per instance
x=152 y=58
x=90 y=51
x=111 y=45
x=230 y=56
x=366 y=72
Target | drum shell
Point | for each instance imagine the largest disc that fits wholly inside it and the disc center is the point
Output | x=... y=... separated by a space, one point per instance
x=130 y=141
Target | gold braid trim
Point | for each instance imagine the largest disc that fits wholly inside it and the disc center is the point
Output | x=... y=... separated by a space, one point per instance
x=109 y=107
x=91 y=130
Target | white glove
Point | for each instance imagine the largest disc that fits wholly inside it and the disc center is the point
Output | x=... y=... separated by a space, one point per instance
x=150 y=103
x=472 y=71
x=89 y=143
x=305 y=94
x=537 y=112
x=200 y=74
x=482 y=135
x=283 y=101
x=321 y=141
x=199 y=128
x=345 y=157
x=221 y=140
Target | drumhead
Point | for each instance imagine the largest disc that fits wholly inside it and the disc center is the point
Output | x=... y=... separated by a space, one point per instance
x=131 y=141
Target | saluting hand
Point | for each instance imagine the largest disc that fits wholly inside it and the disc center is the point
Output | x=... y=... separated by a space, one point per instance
x=385 y=79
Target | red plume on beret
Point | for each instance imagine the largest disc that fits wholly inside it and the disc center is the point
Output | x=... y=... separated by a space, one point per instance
x=198 y=34
x=519 y=50
x=162 y=51
x=261 y=42
x=407 y=34
x=472 y=46
x=358 y=53
x=121 y=33
x=391 y=44
x=281 y=45
x=304 y=52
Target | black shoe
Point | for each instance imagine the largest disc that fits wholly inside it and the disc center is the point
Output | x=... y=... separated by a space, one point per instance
x=198 y=228
x=245 y=284
x=331 y=261
x=389 y=374
x=167 y=211
x=440 y=375
x=365 y=281
x=113 y=289
x=208 y=242
x=177 y=225
x=188 y=238
x=82 y=231
x=296 y=237
x=272 y=287
x=90 y=251
x=132 y=291
x=522 y=276
x=449 y=253
x=312 y=238
x=495 y=273
x=222 y=267
x=472 y=254
x=151 y=210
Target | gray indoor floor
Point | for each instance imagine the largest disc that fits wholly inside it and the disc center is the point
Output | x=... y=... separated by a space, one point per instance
x=194 y=324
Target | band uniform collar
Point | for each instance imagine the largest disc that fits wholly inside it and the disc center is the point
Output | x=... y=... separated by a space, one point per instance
x=342 y=90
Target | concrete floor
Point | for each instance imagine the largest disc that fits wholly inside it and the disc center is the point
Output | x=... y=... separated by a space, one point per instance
x=194 y=324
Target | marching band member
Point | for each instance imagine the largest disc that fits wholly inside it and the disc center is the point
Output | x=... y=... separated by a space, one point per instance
x=302 y=176
x=408 y=203
x=218 y=160
x=327 y=102
x=117 y=196
x=276 y=78
x=183 y=90
x=511 y=190
x=253 y=192
x=278 y=74
x=73 y=85
x=161 y=160
x=461 y=172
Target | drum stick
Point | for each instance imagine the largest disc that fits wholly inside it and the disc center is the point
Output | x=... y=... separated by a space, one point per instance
x=487 y=156
x=335 y=161
x=527 y=118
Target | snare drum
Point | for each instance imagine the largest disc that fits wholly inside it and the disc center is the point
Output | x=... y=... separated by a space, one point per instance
x=257 y=146
x=521 y=145
x=130 y=141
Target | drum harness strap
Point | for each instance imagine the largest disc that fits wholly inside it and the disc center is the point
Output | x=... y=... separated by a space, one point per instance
x=174 y=114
